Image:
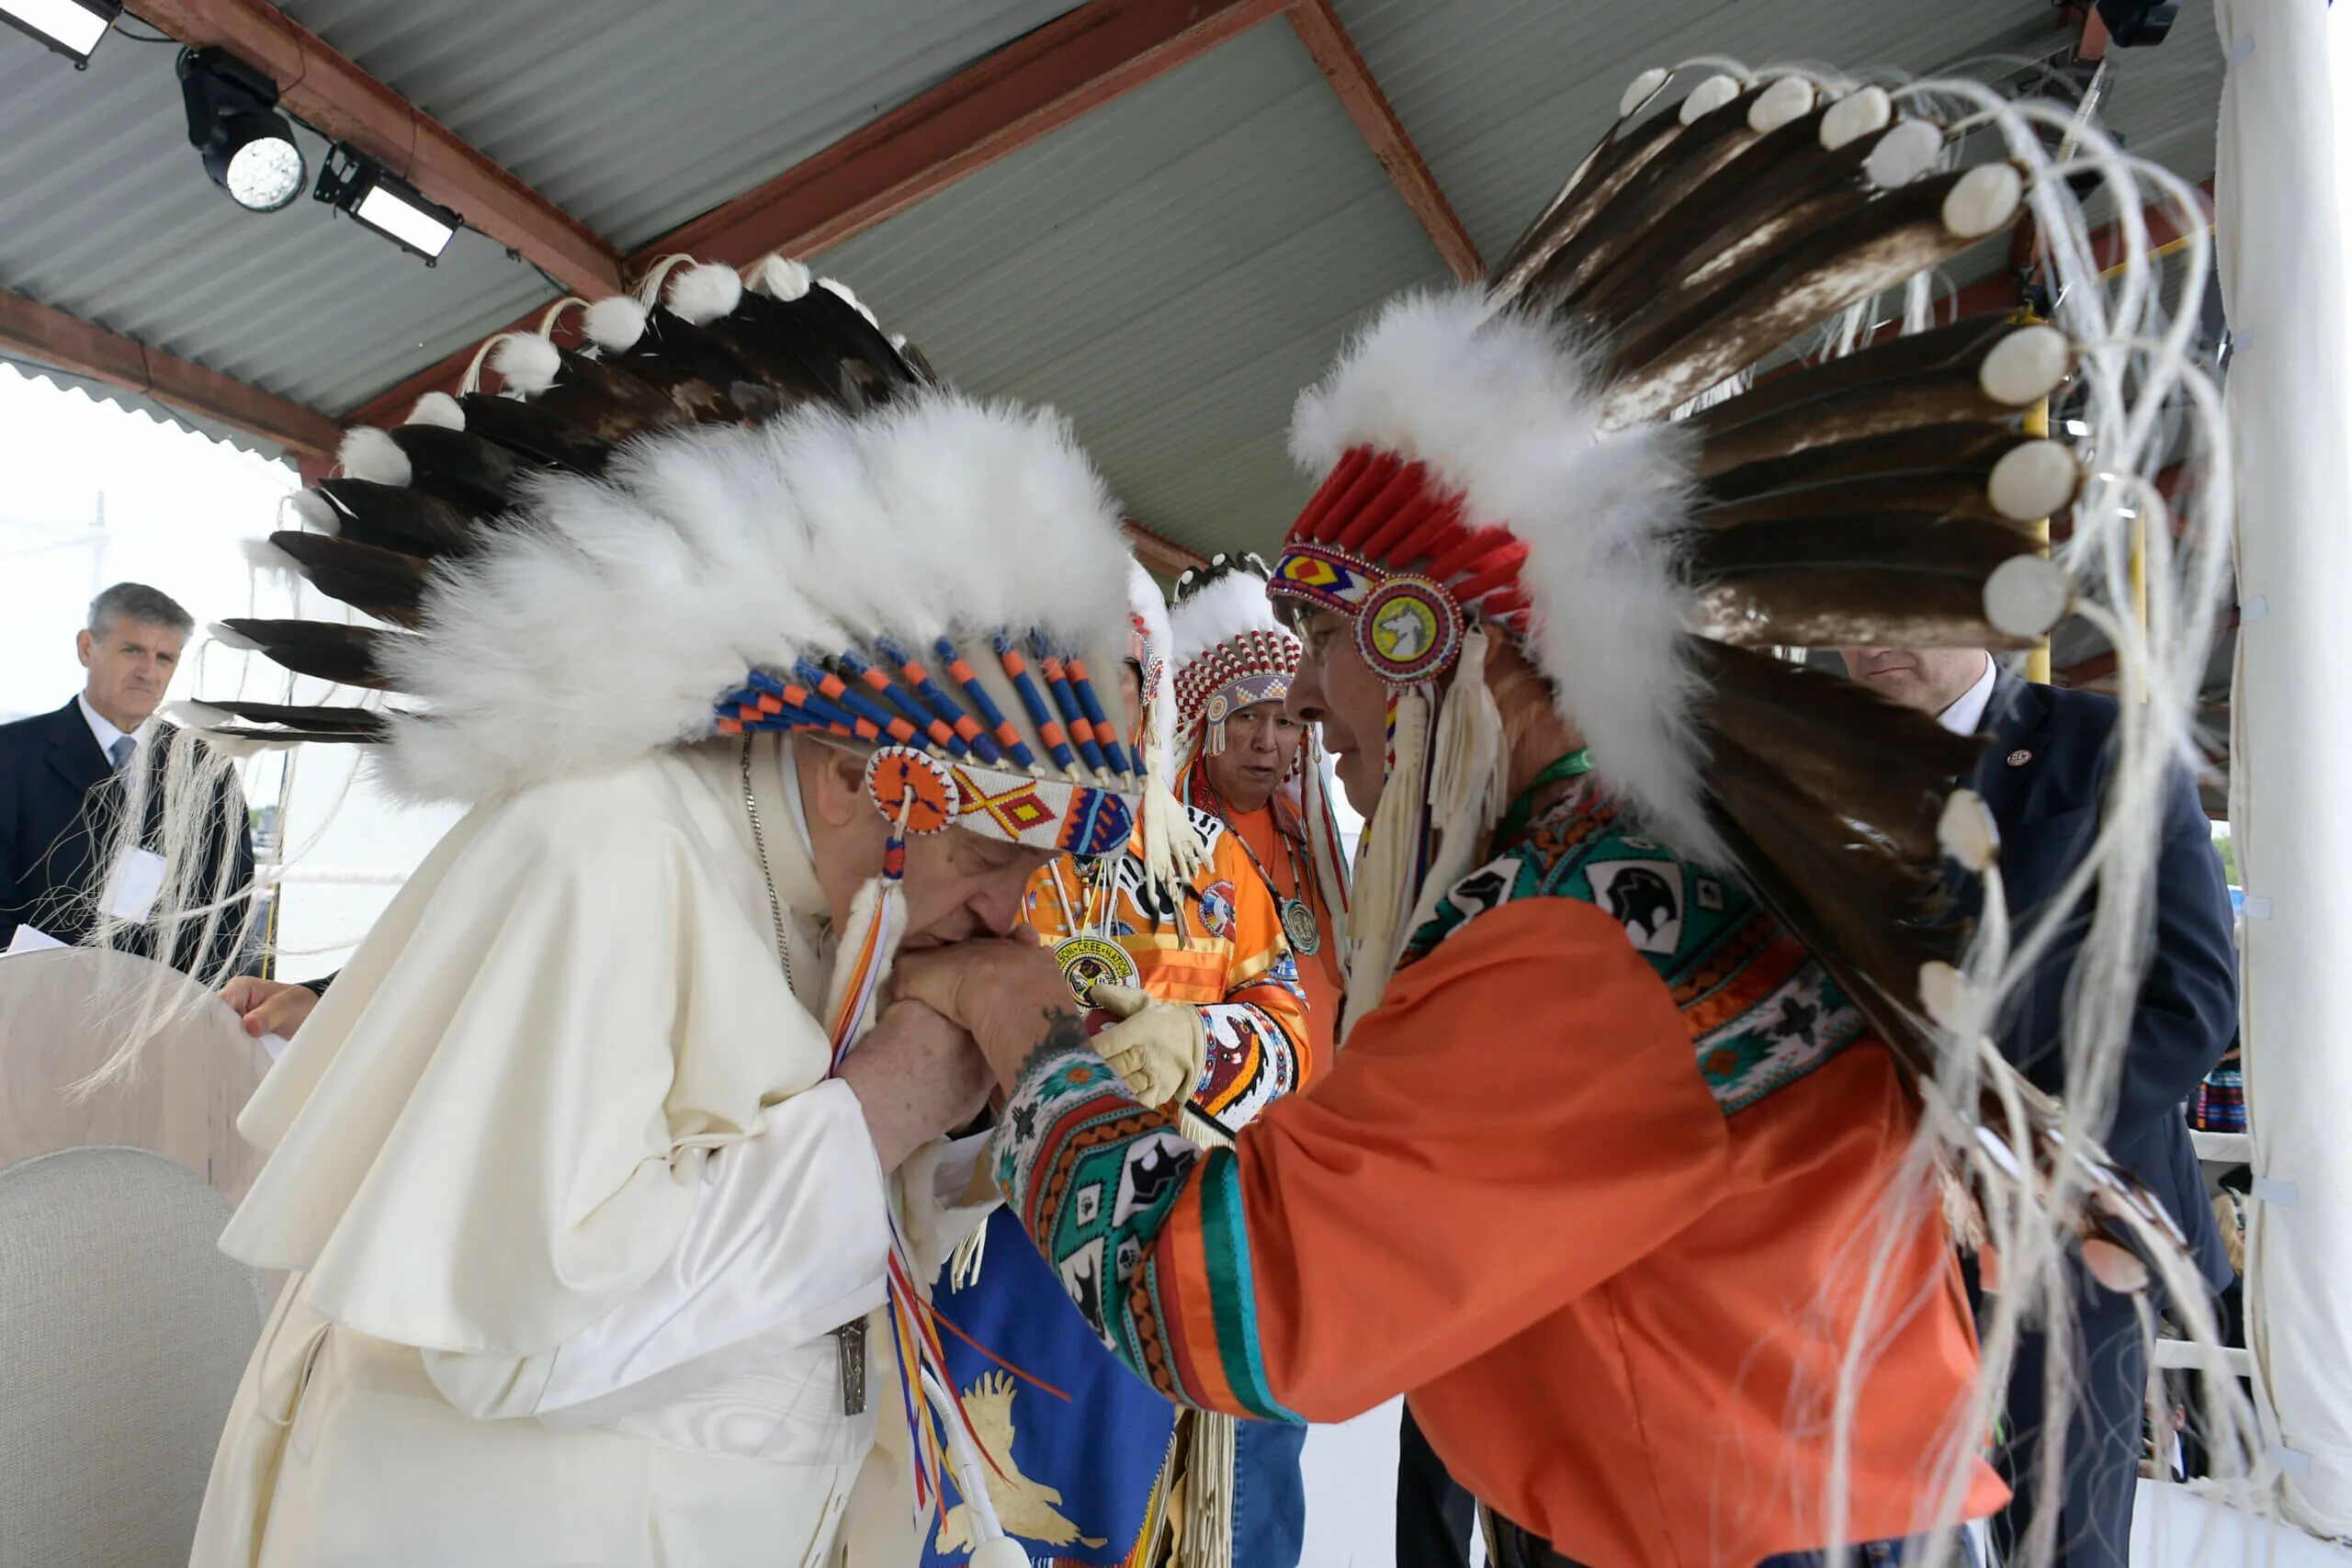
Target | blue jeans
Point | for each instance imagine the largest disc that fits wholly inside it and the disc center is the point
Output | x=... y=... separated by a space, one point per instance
x=1269 y=1494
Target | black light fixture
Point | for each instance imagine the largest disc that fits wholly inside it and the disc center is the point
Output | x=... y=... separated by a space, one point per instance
x=232 y=119
x=357 y=183
x=70 y=28
x=2138 y=24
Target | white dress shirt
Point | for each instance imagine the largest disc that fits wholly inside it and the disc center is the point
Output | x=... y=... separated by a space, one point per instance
x=1967 y=710
x=104 y=731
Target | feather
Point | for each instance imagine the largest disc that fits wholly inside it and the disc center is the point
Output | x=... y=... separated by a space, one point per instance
x=611 y=403
x=1651 y=193
x=1840 y=745
x=695 y=368
x=1848 y=582
x=392 y=517
x=1601 y=176
x=533 y=432
x=334 y=723
x=1975 y=450
x=1983 y=343
x=1950 y=395
x=1718 y=216
x=1693 y=336
x=346 y=655
x=1925 y=495
x=381 y=582
x=457 y=466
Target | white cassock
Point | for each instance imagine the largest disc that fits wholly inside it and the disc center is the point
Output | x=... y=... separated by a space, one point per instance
x=572 y=1212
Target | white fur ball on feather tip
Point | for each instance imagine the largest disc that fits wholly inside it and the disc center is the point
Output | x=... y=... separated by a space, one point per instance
x=1641 y=90
x=615 y=324
x=1945 y=992
x=1709 y=96
x=705 y=292
x=1903 y=154
x=1984 y=201
x=1789 y=98
x=778 y=277
x=367 y=452
x=2024 y=365
x=263 y=555
x=1856 y=115
x=1002 y=1552
x=1967 y=832
x=2033 y=479
x=437 y=409
x=315 y=511
x=527 y=363
x=2026 y=595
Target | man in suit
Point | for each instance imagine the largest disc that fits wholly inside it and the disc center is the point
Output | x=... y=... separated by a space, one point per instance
x=62 y=775
x=2043 y=778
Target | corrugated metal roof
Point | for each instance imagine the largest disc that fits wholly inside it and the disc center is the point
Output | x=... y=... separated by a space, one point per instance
x=634 y=118
x=1170 y=271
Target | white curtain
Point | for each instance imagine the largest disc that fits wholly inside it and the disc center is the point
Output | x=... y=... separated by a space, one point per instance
x=2282 y=240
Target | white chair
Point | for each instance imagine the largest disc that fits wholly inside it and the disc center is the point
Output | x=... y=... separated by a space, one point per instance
x=123 y=1332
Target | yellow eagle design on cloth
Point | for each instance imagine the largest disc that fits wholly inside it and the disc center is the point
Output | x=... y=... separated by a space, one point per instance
x=1026 y=1508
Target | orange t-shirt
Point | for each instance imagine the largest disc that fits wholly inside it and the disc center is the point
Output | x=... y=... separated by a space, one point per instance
x=1617 y=1294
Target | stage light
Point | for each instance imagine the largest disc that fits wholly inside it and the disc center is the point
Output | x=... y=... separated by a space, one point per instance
x=72 y=27
x=248 y=147
x=359 y=186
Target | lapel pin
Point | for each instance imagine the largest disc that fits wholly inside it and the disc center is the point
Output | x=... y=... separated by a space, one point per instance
x=2019 y=759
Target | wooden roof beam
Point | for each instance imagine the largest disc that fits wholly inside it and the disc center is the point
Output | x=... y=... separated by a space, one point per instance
x=71 y=343
x=1326 y=38
x=994 y=108
x=335 y=97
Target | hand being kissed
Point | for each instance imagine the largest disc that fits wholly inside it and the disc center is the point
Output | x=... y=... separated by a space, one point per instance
x=1008 y=994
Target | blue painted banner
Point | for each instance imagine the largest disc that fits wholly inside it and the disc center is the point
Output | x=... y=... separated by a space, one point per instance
x=1078 y=1474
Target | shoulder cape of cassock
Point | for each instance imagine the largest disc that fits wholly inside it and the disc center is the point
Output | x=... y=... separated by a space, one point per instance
x=492 y=1129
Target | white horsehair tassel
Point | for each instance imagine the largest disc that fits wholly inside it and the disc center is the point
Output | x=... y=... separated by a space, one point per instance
x=1391 y=850
x=1467 y=780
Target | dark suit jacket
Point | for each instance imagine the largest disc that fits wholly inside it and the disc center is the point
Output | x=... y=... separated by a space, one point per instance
x=2046 y=803
x=55 y=786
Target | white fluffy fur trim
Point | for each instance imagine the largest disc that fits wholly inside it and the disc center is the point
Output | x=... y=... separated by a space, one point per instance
x=1504 y=408
x=315 y=512
x=706 y=292
x=1233 y=604
x=614 y=324
x=527 y=364
x=263 y=555
x=641 y=596
x=779 y=276
x=439 y=409
x=367 y=453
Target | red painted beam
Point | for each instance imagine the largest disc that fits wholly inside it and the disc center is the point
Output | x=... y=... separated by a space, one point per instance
x=1023 y=92
x=1161 y=554
x=326 y=90
x=1319 y=28
x=1028 y=89
x=86 y=349
x=2102 y=666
